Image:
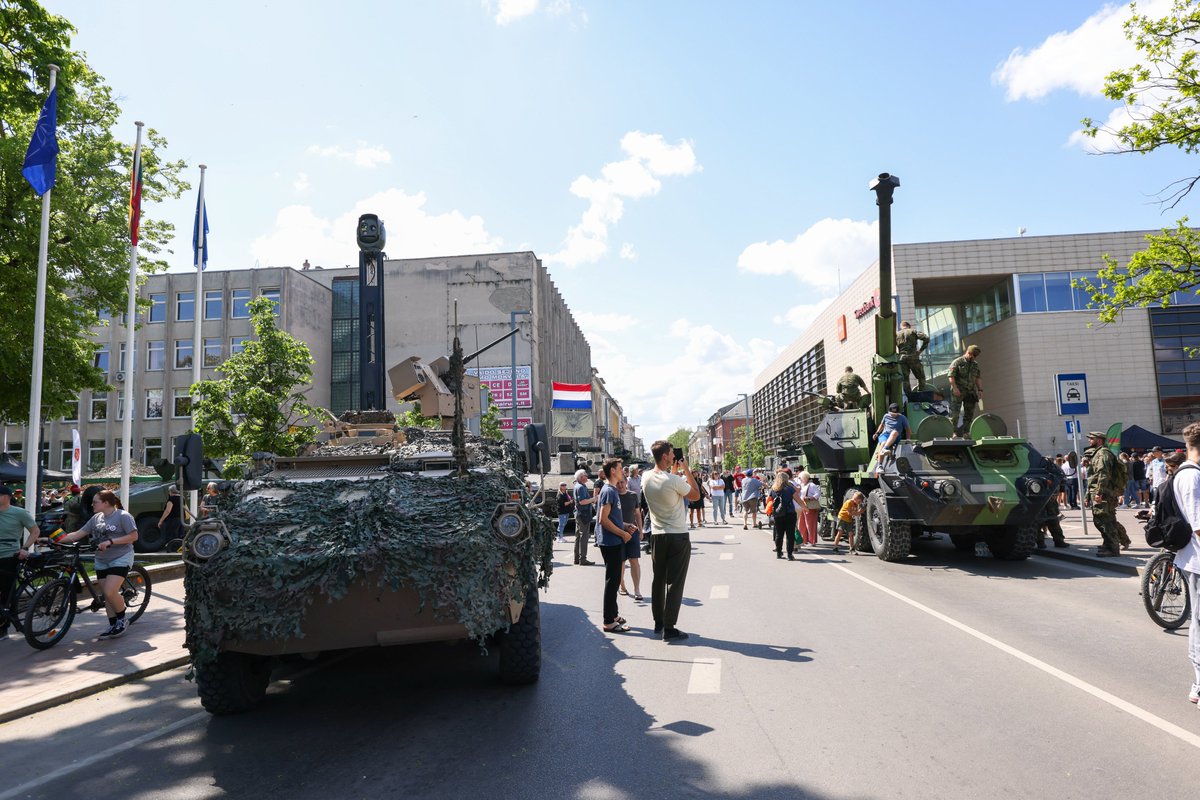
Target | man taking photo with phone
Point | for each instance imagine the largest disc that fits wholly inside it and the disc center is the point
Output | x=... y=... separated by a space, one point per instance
x=666 y=488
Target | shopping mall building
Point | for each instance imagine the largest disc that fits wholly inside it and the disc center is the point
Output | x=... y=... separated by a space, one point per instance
x=1013 y=298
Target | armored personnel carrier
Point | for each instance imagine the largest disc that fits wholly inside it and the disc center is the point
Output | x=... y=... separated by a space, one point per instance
x=988 y=486
x=373 y=539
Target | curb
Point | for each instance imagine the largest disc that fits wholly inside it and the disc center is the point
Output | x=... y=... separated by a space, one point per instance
x=1121 y=564
x=172 y=570
x=9 y=715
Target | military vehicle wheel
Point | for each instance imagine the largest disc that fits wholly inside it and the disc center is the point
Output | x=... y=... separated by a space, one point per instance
x=1013 y=543
x=862 y=537
x=963 y=544
x=825 y=528
x=521 y=644
x=151 y=538
x=890 y=540
x=233 y=682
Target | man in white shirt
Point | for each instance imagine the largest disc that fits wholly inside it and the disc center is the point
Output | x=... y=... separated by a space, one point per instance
x=665 y=488
x=1156 y=471
x=1187 y=496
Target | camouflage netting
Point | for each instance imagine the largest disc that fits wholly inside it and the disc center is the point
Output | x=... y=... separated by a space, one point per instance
x=431 y=534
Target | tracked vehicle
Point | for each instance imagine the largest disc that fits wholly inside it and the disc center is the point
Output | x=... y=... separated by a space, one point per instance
x=988 y=487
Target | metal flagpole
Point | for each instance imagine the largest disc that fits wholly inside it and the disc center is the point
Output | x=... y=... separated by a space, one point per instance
x=131 y=358
x=33 y=450
x=197 y=342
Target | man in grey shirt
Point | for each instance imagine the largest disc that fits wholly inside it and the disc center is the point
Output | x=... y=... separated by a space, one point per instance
x=752 y=491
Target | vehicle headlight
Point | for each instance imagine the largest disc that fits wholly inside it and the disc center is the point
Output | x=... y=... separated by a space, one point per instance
x=210 y=539
x=1035 y=487
x=510 y=524
x=206 y=545
x=949 y=489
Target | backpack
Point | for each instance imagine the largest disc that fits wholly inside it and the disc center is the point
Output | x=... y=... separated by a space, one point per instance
x=1167 y=527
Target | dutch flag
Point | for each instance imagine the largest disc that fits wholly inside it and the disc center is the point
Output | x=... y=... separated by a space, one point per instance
x=572 y=395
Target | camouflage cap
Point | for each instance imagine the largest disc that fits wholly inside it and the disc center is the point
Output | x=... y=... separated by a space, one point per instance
x=973 y=349
x=1097 y=435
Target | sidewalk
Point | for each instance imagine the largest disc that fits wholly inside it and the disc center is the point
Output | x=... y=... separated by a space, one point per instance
x=33 y=680
x=1083 y=548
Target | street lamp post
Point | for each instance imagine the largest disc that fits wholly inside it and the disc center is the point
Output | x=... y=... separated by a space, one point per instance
x=750 y=428
x=512 y=321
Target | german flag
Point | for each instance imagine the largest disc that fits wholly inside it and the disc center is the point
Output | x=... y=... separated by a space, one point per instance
x=135 y=197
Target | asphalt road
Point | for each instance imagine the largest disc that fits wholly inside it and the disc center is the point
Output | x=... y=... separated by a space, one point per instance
x=948 y=676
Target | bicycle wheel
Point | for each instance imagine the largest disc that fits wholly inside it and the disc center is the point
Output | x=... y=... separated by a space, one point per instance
x=136 y=591
x=23 y=595
x=50 y=614
x=1165 y=592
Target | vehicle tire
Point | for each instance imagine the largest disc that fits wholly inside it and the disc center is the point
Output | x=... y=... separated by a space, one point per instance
x=861 y=536
x=1013 y=543
x=963 y=543
x=890 y=540
x=233 y=682
x=151 y=538
x=50 y=614
x=1165 y=592
x=521 y=644
x=825 y=527
x=136 y=591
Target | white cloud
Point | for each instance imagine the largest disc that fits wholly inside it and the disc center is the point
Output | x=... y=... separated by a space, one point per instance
x=707 y=369
x=508 y=11
x=300 y=234
x=301 y=182
x=648 y=157
x=801 y=316
x=362 y=155
x=817 y=255
x=628 y=253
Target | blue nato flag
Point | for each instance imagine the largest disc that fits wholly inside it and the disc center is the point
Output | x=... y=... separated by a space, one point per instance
x=41 y=158
x=200 y=234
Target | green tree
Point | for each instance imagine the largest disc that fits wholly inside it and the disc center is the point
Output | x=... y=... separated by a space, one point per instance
x=489 y=422
x=1161 y=95
x=413 y=418
x=680 y=438
x=748 y=450
x=259 y=404
x=88 y=253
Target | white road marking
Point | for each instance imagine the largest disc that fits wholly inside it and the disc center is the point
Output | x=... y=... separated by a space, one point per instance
x=727 y=556
x=706 y=676
x=1095 y=691
x=719 y=593
x=729 y=537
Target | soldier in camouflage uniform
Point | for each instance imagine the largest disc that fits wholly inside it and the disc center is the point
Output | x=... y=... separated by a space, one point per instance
x=848 y=394
x=1050 y=516
x=910 y=344
x=967 y=382
x=1102 y=489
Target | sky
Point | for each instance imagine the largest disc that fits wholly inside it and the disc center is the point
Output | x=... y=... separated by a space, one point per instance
x=693 y=174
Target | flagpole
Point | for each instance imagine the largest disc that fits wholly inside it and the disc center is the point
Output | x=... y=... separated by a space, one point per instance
x=33 y=451
x=198 y=343
x=131 y=356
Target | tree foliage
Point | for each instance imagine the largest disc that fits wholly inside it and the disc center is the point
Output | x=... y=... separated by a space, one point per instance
x=1161 y=98
x=748 y=450
x=489 y=422
x=680 y=438
x=88 y=252
x=258 y=404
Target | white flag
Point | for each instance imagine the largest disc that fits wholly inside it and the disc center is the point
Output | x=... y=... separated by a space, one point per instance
x=76 y=461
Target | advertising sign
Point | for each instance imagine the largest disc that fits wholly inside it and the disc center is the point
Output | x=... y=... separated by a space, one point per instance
x=499 y=383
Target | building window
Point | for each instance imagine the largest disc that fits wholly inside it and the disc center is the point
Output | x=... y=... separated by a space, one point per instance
x=72 y=414
x=99 y=411
x=97 y=452
x=158 y=308
x=156 y=356
x=783 y=416
x=100 y=359
x=154 y=403
x=212 y=352
x=238 y=300
x=153 y=449
x=16 y=449
x=183 y=353
x=272 y=294
x=121 y=405
x=212 y=304
x=103 y=315
x=185 y=306
x=1174 y=332
x=1053 y=291
x=237 y=344
x=344 y=366
x=182 y=405
x=65 y=454
x=118 y=450
x=121 y=358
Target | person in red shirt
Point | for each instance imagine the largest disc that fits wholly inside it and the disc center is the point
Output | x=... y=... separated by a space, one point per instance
x=738 y=477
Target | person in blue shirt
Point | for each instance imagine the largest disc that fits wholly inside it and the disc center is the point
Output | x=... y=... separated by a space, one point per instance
x=612 y=532
x=892 y=428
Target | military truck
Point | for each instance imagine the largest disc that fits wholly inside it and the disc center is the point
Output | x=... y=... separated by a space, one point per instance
x=988 y=486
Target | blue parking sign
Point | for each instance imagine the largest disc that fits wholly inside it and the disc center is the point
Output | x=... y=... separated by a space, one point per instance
x=1071 y=393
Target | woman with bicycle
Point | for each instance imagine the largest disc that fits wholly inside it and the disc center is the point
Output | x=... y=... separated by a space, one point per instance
x=14 y=548
x=113 y=531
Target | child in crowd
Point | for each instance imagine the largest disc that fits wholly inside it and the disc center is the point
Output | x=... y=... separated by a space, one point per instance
x=853 y=507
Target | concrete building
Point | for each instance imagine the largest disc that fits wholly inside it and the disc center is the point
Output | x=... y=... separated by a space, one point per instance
x=1013 y=298
x=320 y=307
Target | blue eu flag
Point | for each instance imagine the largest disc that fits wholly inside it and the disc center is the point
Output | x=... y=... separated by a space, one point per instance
x=41 y=158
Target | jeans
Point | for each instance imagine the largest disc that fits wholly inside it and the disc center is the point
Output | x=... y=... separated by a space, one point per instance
x=1131 y=492
x=1072 y=492
x=614 y=562
x=729 y=503
x=671 y=555
x=1193 y=581
x=718 y=506
x=785 y=530
x=583 y=532
x=562 y=524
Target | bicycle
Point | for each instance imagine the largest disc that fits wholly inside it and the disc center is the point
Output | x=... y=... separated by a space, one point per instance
x=1165 y=592
x=53 y=607
x=32 y=574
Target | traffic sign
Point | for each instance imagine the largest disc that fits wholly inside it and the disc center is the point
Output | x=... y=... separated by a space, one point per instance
x=1072 y=426
x=1070 y=393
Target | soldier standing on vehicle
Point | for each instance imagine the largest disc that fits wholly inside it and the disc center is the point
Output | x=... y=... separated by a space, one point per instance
x=848 y=394
x=1102 y=490
x=967 y=383
x=911 y=344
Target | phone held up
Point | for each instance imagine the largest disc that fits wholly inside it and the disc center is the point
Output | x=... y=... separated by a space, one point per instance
x=679 y=454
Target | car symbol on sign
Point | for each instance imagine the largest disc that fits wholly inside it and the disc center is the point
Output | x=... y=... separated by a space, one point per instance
x=1072 y=393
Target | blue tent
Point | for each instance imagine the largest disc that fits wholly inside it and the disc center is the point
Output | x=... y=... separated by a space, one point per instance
x=1135 y=437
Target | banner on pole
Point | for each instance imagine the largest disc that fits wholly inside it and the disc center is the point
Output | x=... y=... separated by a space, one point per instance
x=76 y=458
x=571 y=423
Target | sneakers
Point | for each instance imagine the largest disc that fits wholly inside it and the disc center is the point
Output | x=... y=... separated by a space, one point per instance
x=1194 y=694
x=674 y=635
x=115 y=630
